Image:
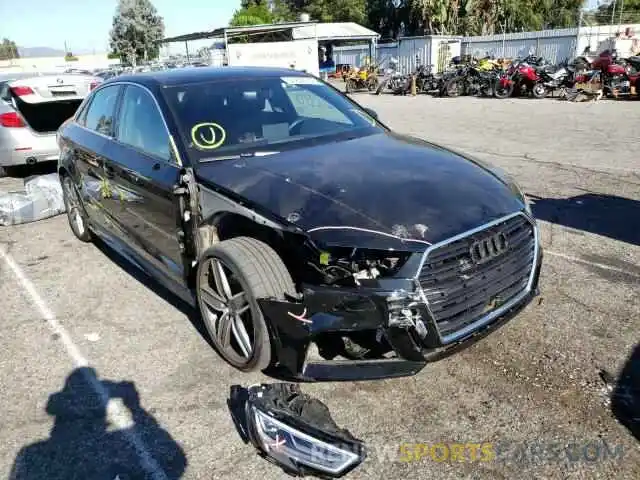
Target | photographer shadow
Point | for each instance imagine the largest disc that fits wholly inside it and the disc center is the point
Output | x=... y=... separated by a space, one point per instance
x=625 y=398
x=100 y=432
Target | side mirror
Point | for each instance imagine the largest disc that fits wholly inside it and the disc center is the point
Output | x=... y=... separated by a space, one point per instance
x=294 y=430
x=371 y=112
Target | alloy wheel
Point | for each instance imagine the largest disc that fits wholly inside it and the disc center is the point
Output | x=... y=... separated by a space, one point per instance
x=227 y=311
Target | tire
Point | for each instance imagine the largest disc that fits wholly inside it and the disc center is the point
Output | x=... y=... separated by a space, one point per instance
x=9 y=171
x=453 y=87
x=502 y=92
x=76 y=214
x=251 y=268
x=539 y=91
x=348 y=88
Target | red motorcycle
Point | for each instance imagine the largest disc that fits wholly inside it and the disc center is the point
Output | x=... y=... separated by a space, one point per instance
x=620 y=77
x=521 y=77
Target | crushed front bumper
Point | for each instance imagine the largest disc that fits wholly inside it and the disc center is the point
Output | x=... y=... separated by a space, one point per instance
x=295 y=326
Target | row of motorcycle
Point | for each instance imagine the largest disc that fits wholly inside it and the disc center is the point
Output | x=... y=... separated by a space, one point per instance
x=605 y=73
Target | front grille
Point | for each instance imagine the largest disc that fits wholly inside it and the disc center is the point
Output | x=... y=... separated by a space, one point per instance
x=459 y=291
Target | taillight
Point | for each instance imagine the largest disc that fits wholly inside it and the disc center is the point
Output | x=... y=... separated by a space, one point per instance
x=22 y=91
x=11 y=120
x=93 y=85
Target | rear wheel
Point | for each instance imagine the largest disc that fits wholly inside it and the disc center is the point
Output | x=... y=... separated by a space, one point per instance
x=75 y=211
x=8 y=171
x=232 y=276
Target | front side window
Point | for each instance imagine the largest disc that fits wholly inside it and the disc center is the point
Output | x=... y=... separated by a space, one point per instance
x=141 y=125
x=268 y=113
x=102 y=109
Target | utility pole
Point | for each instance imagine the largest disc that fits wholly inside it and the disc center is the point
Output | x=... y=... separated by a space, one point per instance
x=620 y=17
x=613 y=16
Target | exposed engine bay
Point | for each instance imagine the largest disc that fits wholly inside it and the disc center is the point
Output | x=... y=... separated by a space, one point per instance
x=353 y=267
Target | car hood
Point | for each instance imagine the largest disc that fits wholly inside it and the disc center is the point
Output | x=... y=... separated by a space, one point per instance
x=382 y=184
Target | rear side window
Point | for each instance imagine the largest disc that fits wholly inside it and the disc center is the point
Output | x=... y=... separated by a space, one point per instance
x=100 y=115
x=141 y=125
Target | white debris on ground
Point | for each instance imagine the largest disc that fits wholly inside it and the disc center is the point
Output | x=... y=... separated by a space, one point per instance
x=40 y=199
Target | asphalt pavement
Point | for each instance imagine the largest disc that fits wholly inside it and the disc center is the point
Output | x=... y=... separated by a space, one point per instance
x=104 y=374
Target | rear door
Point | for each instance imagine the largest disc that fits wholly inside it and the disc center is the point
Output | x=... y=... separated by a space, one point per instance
x=146 y=175
x=90 y=148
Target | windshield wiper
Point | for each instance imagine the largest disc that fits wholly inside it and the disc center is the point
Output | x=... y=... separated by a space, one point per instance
x=238 y=156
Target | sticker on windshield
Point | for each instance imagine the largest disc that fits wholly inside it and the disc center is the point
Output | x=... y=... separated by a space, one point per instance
x=208 y=136
x=301 y=81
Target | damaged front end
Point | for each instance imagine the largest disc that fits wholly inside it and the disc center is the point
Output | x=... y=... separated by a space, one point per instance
x=294 y=430
x=374 y=313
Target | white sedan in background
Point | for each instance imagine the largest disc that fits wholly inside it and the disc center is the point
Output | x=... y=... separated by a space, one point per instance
x=32 y=108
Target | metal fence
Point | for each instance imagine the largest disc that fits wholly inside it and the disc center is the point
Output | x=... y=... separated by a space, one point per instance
x=554 y=45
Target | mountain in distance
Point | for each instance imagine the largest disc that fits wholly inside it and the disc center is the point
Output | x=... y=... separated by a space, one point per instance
x=33 y=52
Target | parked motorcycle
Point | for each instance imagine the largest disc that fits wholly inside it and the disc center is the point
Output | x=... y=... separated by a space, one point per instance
x=559 y=77
x=392 y=79
x=426 y=81
x=618 y=75
x=362 y=79
x=521 y=78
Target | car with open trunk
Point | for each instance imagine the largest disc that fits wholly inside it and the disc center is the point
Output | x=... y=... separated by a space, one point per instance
x=32 y=108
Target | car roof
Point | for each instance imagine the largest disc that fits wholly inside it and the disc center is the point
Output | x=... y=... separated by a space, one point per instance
x=183 y=76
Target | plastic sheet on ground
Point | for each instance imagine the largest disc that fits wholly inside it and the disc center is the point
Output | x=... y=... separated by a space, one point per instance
x=40 y=199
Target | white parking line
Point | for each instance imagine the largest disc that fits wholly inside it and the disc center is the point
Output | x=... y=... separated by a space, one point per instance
x=593 y=264
x=117 y=414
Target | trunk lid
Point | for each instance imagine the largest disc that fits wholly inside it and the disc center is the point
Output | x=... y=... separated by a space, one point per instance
x=46 y=88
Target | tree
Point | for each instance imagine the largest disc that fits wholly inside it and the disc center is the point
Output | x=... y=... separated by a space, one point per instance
x=251 y=13
x=330 y=10
x=137 y=29
x=610 y=13
x=8 y=50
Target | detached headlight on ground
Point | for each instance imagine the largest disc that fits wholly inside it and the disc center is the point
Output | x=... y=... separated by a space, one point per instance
x=294 y=430
x=285 y=444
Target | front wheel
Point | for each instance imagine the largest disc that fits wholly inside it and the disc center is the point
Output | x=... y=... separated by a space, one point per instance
x=348 y=88
x=232 y=275
x=454 y=87
x=75 y=211
x=502 y=90
x=382 y=86
x=539 y=90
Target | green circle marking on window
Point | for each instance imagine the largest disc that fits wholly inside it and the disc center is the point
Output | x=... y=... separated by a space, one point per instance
x=208 y=136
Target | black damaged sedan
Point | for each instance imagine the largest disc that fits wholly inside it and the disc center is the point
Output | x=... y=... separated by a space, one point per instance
x=314 y=240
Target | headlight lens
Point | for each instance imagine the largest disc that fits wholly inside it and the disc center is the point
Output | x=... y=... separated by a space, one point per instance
x=287 y=444
x=515 y=188
x=518 y=191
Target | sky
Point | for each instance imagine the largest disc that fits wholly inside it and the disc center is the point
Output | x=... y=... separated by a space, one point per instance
x=84 y=24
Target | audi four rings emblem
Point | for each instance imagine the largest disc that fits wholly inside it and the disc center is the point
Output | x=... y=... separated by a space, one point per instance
x=483 y=250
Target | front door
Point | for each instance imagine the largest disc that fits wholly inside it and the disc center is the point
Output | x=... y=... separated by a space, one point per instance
x=145 y=174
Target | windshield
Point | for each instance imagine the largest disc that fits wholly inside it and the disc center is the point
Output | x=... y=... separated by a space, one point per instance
x=262 y=115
